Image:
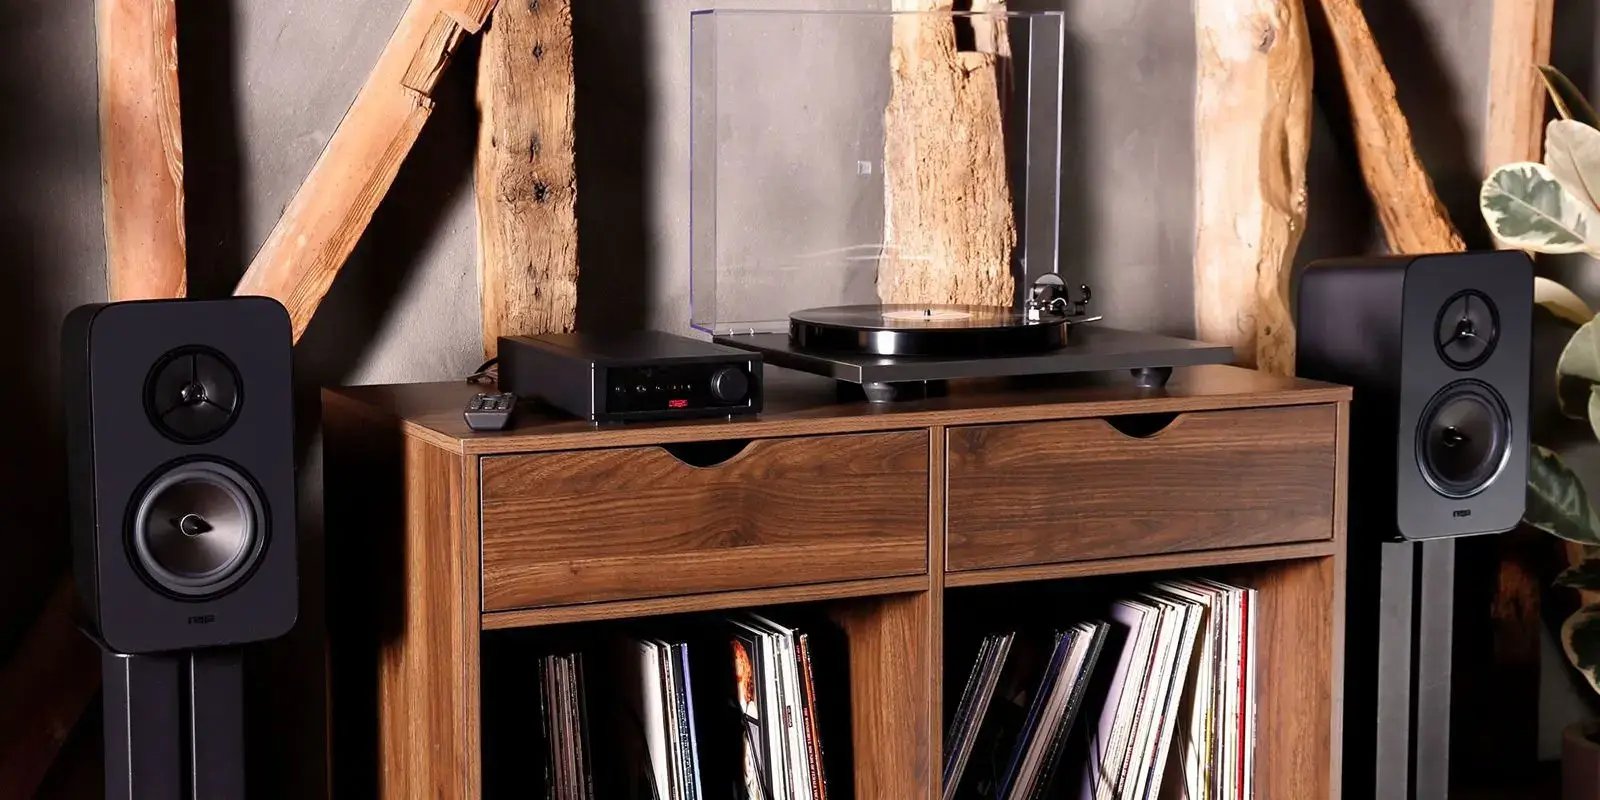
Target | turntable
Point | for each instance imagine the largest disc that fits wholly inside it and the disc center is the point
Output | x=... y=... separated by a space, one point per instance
x=904 y=351
x=828 y=218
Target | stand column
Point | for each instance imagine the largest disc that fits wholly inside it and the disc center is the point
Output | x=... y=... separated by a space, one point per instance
x=144 y=750
x=1416 y=589
x=174 y=725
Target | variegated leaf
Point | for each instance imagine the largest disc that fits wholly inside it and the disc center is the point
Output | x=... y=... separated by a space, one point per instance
x=1557 y=502
x=1580 y=638
x=1581 y=357
x=1569 y=101
x=1560 y=301
x=1594 y=410
x=1526 y=207
x=1572 y=152
x=1578 y=370
x=1582 y=575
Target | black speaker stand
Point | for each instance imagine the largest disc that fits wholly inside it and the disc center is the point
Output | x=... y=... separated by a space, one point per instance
x=174 y=725
x=1416 y=596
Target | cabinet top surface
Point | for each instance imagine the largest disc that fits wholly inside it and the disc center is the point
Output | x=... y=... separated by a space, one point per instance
x=803 y=405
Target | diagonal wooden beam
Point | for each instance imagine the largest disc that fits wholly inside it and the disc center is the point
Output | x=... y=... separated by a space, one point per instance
x=44 y=689
x=1253 y=136
x=526 y=176
x=1413 y=218
x=328 y=214
x=141 y=148
x=1519 y=42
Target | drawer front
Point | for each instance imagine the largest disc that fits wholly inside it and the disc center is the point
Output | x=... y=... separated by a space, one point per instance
x=1048 y=492
x=596 y=525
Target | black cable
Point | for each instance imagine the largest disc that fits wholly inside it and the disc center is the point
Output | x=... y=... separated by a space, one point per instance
x=482 y=372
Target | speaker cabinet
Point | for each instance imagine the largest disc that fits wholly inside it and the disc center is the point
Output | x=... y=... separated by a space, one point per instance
x=181 y=453
x=1438 y=349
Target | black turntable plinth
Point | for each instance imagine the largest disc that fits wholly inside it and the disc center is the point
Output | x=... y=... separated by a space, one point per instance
x=1092 y=348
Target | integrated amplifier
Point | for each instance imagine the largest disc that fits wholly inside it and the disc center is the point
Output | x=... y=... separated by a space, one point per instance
x=640 y=375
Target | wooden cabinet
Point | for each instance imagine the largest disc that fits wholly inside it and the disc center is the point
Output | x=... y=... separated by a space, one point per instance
x=1070 y=490
x=897 y=521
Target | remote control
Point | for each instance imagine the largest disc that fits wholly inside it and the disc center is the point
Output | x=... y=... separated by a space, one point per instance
x=490 y=412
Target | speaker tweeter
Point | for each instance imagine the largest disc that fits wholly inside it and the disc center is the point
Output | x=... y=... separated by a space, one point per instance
x=1468 y=329
x=193 y=394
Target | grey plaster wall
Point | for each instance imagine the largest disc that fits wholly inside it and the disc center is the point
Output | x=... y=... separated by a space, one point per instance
x=50 y=226
x=265 y=84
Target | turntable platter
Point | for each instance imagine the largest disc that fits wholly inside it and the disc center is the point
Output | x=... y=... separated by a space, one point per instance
x=924 y=330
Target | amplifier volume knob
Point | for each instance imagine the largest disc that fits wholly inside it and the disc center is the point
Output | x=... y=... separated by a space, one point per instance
x=729 y=385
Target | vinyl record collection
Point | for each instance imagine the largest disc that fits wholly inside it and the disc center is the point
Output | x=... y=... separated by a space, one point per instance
x=563 y=720
x=736 y=708
x=1153 y=702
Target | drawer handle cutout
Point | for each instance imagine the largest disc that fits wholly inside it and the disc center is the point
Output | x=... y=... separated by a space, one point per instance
x=707 y=454
x=1142 y=426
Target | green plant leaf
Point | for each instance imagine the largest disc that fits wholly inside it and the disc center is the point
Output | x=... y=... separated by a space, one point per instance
x=1560 y=301
x=1578 y=371
x=1582 y=575
x=1557 y=501
x=1569 y=101
x=1581 y=357
x=1572 y=152
x=1526 y=207
x=1594 y=410
x=1580 y=637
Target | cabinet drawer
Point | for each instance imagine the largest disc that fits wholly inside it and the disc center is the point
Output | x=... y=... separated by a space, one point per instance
x=1048 y=492
x=639 y=522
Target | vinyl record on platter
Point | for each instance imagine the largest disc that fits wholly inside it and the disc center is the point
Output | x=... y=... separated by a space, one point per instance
x=924 y=330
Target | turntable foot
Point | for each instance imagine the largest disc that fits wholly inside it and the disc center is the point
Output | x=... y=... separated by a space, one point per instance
x=880 y=392
x=892 y=392
x=1151 y=377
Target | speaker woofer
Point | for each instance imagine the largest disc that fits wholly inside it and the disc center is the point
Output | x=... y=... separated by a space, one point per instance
x=1463 y=438
x=198 y=528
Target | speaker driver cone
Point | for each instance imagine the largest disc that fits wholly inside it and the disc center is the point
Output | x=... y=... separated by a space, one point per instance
x=1463 y=438
x=1467 y=329
x=199 y=528
x=193 y=394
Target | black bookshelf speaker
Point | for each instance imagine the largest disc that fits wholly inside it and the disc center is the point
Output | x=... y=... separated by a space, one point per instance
x=181 y=458
x=1437 y=348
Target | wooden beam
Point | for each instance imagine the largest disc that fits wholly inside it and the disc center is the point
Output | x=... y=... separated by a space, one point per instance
x=44 y=689
x=141 y=148
x=1519 y=42
x=1253 y=135
x=1414 y=220
x=526 y=179
x=949 y=231
x=327 y=216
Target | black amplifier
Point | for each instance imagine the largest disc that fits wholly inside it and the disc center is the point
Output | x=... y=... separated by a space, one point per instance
x=631 y=376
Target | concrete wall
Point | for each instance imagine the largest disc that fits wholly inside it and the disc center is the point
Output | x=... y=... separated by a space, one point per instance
x=265 y=84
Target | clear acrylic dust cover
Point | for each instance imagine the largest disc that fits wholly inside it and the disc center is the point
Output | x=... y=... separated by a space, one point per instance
x=853 y=157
